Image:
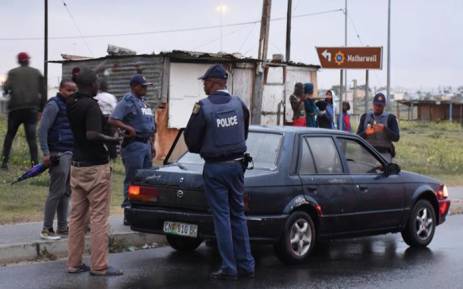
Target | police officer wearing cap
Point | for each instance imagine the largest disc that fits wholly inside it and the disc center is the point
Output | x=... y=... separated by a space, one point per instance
x=136 y=118
x=380 y=128
x=217 y=130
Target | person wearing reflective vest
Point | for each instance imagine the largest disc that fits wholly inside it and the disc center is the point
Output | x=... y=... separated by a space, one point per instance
x=380 y=128
x=217 y=130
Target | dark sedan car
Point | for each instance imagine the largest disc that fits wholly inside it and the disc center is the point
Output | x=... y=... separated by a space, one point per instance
x=307 y=185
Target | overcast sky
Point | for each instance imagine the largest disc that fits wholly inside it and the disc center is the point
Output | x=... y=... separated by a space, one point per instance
x=426 y=34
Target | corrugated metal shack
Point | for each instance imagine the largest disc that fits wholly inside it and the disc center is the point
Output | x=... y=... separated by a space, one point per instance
x=434 y=110
x=175 y=78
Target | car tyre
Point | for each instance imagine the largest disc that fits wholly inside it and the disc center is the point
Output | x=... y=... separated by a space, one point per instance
x=421 y=225
x=297 y=240
x=183 y=244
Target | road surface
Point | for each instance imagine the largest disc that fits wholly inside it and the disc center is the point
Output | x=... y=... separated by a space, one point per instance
x=372 y=262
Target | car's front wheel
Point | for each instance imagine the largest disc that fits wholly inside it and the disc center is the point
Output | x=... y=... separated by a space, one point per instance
x=298 y=238
x=421 y=225
x=183 y=244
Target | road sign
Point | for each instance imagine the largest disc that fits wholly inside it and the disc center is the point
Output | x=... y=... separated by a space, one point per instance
x=350 y=57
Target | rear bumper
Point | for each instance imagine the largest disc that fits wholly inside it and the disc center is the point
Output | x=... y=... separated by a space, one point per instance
x=265 y=228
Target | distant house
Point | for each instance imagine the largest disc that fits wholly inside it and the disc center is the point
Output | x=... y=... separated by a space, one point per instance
x=434 y=110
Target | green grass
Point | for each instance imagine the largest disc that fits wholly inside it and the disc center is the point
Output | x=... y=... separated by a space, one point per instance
x=433 y=149
x=24 y=201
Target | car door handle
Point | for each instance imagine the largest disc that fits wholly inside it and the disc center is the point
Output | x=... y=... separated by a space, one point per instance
x=362 y=188
x=310 y=189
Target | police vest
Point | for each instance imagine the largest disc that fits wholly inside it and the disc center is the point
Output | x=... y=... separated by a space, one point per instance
x=225 y=132
x=60 y=137
x=141 y=117
x=378 y=140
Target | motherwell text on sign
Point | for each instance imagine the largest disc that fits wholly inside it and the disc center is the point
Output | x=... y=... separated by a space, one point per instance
x=350 y=57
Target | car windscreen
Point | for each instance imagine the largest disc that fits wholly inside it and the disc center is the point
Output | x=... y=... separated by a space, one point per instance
x=263 y=147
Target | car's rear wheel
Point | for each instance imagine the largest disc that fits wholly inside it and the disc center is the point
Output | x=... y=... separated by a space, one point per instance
x=421 y=225
x=298 y=238
x=183 y=244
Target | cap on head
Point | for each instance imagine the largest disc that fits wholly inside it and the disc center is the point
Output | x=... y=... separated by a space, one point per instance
x=308 y=87
x=379 y=99
x=23 y=56
x=215 y=71
x=139 y=79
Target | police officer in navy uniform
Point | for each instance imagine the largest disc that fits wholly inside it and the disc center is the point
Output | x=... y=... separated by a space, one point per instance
x=136 y=118
x=217 y=130
x=380 y=128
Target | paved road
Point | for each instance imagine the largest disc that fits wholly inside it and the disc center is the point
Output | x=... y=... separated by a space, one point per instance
x=373 y=262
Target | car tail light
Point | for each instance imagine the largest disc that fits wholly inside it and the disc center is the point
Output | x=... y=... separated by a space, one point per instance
x=143 y=194
x=442 y=193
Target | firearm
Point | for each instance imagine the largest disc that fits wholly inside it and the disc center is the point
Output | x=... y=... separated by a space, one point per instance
x=247 y=159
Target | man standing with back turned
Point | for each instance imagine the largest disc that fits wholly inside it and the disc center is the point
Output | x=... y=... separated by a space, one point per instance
x=27 y=98
x=90 y=180
x=217 y=130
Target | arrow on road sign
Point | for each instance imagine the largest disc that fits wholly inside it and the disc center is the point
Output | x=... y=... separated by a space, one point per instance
x=327 y=55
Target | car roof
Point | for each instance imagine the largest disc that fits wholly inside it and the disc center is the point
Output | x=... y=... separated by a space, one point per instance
x=296 y=130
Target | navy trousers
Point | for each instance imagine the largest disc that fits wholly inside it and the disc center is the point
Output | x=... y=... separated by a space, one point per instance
x=136 y=155
x=224 y=186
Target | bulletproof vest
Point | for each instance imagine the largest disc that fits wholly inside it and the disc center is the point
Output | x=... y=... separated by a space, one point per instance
x=225 y=128
x=141 y=117
x=60 y=137
x=378 y=140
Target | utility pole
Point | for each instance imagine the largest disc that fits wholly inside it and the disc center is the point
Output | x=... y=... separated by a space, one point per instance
x=264 y=30
x=345 y=70
x=45 y=53
x=388 y=87
x=288 y=31
x=256 y=103
x=366 y=90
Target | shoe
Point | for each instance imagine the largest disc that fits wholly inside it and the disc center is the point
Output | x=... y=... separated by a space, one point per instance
x=79 y=269
x=246 y=274
x=221 y=275
x=63 y=232
x=4 y=166
x=49 y=234
x=110 y=271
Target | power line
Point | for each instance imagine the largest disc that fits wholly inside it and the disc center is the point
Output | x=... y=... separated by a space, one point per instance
x=198 y=28
x=77 y=28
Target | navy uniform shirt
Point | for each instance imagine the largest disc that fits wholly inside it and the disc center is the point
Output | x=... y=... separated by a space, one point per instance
x=133 y=110
x=196 y=127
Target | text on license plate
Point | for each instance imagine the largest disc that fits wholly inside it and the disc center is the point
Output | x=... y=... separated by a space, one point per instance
x=181 y=229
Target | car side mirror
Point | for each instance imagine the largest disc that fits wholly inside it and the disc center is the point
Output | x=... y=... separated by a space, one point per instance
x=392 y=169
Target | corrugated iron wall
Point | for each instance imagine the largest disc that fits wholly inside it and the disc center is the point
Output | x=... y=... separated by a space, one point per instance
x=117 y=71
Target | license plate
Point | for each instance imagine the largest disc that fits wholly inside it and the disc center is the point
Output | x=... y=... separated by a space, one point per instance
x=181 y=229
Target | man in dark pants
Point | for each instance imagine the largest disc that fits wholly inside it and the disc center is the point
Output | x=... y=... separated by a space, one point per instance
x=217 y=130
x=27 y=98
x=380 y=128
x=133 y=115
x=57 y=141
x=90 y=180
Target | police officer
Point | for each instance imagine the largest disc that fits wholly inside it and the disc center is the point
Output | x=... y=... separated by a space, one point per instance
x=217 y=130
x=133 y=115
x=380 y=128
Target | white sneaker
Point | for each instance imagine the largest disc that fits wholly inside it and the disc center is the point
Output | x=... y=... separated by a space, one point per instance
x=49 y=234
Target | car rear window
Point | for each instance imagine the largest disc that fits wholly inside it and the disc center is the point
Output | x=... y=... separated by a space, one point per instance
x=263 y=147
